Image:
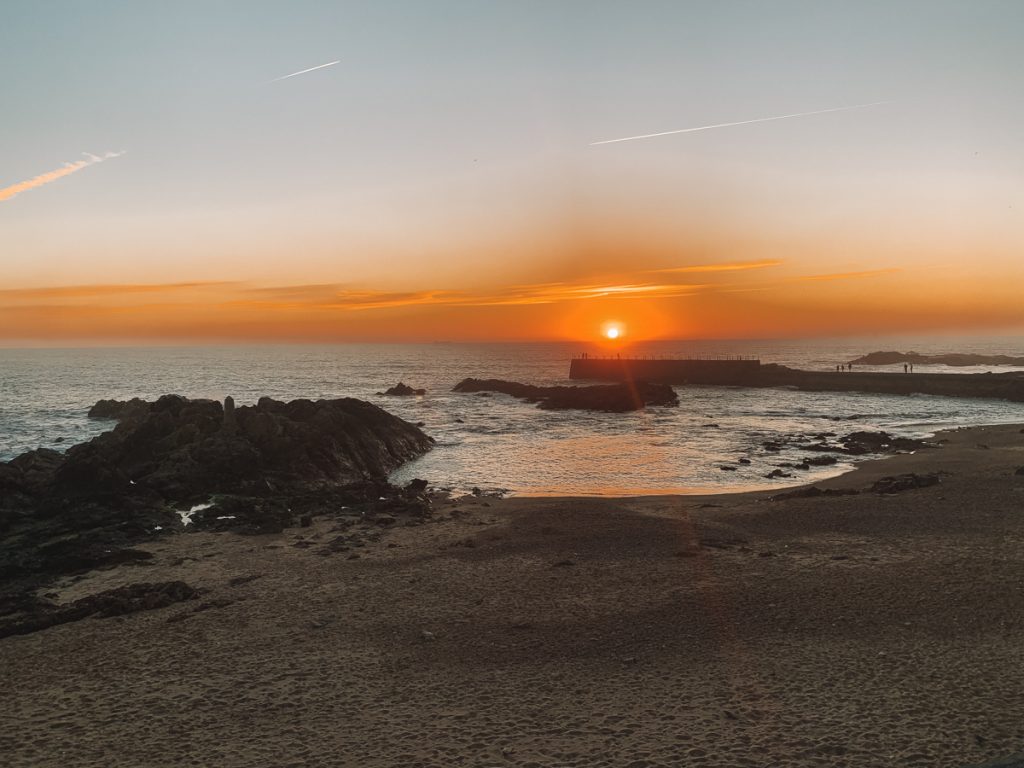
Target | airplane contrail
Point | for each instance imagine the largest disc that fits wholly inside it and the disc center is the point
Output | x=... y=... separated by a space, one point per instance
x=304 y=71
x=45 y=178
x=741 y=122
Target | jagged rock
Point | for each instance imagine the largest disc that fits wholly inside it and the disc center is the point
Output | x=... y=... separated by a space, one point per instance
x=403 y=390
x=776 y=473
x=613 y=398
x=62 y=513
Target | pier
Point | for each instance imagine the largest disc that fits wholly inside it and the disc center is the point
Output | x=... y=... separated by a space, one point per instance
x=750 y=372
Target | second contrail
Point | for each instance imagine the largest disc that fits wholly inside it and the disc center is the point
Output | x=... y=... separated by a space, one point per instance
x=304 y=71
x=740 y=122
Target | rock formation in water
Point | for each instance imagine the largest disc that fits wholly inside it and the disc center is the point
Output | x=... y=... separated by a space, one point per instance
x=401 y=389
x=614 y=398
x=953 y=358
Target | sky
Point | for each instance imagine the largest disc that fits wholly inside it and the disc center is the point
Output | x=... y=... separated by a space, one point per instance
x=442 y=181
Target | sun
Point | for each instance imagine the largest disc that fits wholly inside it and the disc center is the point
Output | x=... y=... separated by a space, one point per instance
x=612 y=331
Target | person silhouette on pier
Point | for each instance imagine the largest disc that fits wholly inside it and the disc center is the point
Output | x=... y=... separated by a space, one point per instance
x=904 y=367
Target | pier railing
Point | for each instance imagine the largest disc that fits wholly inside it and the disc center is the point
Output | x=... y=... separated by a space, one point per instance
x=681 y=358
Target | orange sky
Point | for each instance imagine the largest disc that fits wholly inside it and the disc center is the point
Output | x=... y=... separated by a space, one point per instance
x=748 y=299
x=446 y=179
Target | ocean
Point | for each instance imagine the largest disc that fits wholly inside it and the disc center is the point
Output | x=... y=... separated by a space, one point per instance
x=497 y=442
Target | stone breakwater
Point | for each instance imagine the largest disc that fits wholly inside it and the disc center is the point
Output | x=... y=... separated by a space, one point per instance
x=751 y=373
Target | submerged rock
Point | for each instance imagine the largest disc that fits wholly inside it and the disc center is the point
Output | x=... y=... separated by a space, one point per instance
x=612 y=398
x=402 y=389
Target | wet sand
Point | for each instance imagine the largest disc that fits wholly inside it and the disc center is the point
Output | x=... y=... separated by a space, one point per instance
x=733 y=630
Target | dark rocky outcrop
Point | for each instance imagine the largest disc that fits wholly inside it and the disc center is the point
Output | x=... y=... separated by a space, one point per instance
x=261 y=465
x=952 y=359
x=614 y=398
x=401 y=389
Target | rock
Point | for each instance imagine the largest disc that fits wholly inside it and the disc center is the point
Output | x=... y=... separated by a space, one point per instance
x=403 y=390
x=898 y=483
x=112 y=602
x=727 y=468
x=118 y=409
x=819 y=461
x=230 y=423
x=1019 y=471
x=60 y=513
x=776 y=473
x=743 y=461
x=612 y=398
x=415 y=488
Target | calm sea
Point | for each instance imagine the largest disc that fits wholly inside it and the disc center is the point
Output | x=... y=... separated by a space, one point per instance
x=498 y=442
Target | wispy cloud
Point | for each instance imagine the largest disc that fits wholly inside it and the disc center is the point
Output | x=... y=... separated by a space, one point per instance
x=45 y=178
x=851 y=275
x=337 y=297
x=105 y=290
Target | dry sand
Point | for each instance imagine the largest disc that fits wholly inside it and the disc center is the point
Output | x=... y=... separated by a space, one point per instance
x=861 y=630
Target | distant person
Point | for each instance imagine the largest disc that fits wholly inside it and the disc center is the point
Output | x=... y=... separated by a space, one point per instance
x=911 y=367
x=837 y=369
x=904 y=367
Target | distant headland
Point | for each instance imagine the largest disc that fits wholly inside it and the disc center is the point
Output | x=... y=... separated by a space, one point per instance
x=955 y=358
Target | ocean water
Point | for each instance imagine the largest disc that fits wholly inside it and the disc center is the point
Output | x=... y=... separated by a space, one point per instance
x=498 y=442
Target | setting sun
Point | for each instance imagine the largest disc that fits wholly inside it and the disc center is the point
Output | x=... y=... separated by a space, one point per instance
x=612 y=331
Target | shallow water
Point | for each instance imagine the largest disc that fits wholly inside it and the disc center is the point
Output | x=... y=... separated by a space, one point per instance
x=499 y=442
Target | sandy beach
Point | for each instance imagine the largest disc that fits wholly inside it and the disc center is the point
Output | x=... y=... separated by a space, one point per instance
x=734 y=630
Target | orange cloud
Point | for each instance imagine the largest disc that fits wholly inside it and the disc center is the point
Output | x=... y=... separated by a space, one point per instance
x=796 y=306
x=80 y=291
x=734 y=266
x=45 y=178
